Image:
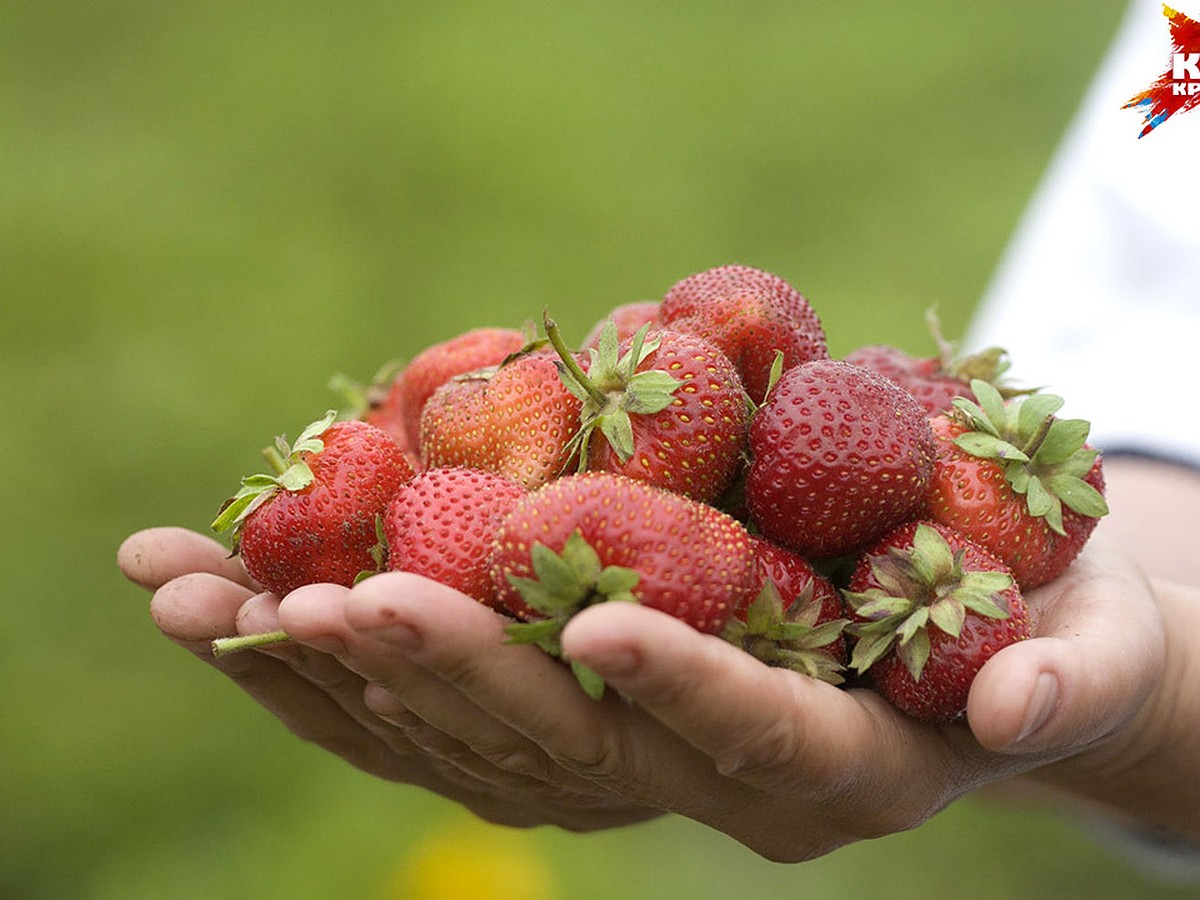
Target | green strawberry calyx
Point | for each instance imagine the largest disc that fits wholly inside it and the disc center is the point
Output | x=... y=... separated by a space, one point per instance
x=1044 y=458
x=291 y=473
x=563 y=584
x=989 y=364
x=612 y=390
x=923 y=585
x=789 y=638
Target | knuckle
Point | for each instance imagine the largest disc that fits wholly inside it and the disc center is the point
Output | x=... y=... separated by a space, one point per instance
x=605 y=757
x=767 y=758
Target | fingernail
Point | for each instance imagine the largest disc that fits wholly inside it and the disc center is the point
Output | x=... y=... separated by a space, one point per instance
x=1041 y=705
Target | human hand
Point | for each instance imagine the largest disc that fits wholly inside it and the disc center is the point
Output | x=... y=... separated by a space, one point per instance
x=200 y=593
x=413 y=682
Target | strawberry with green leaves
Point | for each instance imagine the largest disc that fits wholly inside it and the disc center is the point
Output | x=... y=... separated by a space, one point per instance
x=1018 y=480
x=794 y=620
x=662 y=407
x=931 y=608
x=313 y=519
x=516 y=419
x=600 y=537
x=750 y=315
x=442 y=524
x=840 y=455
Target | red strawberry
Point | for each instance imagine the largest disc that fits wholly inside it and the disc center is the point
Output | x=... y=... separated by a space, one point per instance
x=442 y=525
x=840 y=455
x=314 y=520
x=400 y=409
x=795 y=620
x=933 y=608
x=749 y=315
x=936 y=380
x=628 y=317
x=597 y=537
x=516 y=420
x=669 y=408
x=1017 y=480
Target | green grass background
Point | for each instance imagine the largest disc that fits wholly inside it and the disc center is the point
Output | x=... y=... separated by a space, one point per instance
x=207 y=209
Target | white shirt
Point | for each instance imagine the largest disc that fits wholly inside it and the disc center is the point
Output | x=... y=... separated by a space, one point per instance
x=1098 y=296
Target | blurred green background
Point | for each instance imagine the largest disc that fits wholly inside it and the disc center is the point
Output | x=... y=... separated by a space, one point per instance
x=207 y=209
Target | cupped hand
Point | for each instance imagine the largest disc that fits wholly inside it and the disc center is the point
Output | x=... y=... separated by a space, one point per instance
x=200 y=593
x=413 y=681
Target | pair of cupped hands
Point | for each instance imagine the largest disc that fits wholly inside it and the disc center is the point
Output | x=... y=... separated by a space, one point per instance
x=413 y=682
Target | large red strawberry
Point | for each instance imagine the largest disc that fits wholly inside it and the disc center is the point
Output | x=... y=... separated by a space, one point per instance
x=516 y=419
x=795 y=620
x=442 y=525
x=932 y=608
x=399 y=410
x=314 y=519
x=840 y=455
x=1017 y=480
x=662 y=407
x=597 y=537
x=750 y=315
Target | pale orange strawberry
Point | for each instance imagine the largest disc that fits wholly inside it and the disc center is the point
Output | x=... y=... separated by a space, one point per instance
x=516 y=419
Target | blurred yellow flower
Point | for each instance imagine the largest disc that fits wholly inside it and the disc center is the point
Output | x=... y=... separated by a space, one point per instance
x=467 y=859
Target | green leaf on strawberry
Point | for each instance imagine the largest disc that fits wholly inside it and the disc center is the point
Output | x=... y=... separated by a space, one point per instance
x=563 y=584
x=612 y=389
x=291 y=473
x=792 y=638
x=1044 y=458
x=919 y=585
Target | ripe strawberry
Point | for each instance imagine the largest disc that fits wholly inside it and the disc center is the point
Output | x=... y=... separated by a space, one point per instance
x=400 y=410
x=932 y=608
x=314 y=520
x=516 y=419
x=795 y=620
x=936 y=380
x=840 y=455
x=749 y=315
x=596 y=537
x=442 y=525
x=669 y=408
x=1017 y=480
x=628 y=317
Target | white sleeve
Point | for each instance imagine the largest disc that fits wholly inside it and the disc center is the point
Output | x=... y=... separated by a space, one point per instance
x=1097 y=298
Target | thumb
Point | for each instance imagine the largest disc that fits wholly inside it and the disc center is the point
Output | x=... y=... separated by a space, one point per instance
x=1097 y=657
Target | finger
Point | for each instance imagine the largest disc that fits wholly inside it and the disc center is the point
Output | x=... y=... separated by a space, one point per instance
x=433 y=714
x=610 y=743
x=196 y=608
x=760 y=725
x=1098 y=654
x=154 y=556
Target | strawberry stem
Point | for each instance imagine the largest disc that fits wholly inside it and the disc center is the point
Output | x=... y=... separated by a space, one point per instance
x=1039 y=437
x=568 y=360
x=275 y=460
x=225 y=646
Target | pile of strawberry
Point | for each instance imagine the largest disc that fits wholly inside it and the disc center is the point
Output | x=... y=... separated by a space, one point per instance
x=871 y=520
